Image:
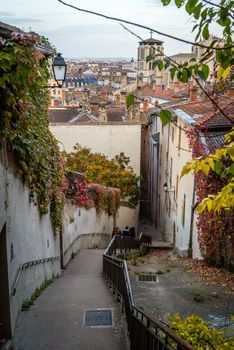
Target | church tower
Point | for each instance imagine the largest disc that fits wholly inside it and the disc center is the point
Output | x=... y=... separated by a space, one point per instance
x=146 y=74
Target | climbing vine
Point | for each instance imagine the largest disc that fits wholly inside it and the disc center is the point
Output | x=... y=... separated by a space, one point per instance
x=109 y=173
x=24 y=122
x=213 y=181
x=86 y=195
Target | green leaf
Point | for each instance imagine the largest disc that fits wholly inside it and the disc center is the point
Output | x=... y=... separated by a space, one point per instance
x=205 y=32
x=218 y=167
x=197 y=10
x=150 y=57
x=185 y=76
x=173 y=71
x=167 y=64
x=204 y=14
x=205 y=71
x=166 y=2
x=196 y=25
x=160 y=65
x=165 y=116
x=130 y=100
x=179 y=3
x=190 y=6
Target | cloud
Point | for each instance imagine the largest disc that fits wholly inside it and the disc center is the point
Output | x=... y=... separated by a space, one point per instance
x=6 y=14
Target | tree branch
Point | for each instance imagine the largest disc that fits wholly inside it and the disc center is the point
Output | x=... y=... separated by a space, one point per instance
x=217 y=5
x=142 y=26
x=197 y=81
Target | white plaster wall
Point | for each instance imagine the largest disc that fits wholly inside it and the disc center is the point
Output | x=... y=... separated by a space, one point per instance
x=127 y=217
x=86 y=229
x=196 y=248
x=2 y=196
x=109 y=139
x=29 y=237
x=179 y=158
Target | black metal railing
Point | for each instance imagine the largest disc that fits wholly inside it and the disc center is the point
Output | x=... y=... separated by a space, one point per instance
x=28 y=264
x=145 y=332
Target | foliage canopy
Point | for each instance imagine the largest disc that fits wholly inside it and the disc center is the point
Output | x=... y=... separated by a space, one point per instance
x=110 y=173
x=24 y=122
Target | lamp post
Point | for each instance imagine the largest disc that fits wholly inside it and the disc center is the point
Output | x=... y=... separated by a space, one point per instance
x=59 y=68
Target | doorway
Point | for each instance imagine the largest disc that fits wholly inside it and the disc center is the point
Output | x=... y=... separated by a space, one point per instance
x=5 y=318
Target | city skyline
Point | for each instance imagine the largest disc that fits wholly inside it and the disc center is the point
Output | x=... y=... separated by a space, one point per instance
x=78 y=34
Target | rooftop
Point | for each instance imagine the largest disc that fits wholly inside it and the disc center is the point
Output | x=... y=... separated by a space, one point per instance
x=204 y=113
x=151 y=41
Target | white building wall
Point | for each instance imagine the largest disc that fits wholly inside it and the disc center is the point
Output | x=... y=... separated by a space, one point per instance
x=127 y=217
x=86 y=229
x=176 y=204
x=109 y=139
x=29 y=237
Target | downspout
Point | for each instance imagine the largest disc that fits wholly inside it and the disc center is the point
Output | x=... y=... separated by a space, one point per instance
x=166 y=180
x=61 y=248
x=193 y=208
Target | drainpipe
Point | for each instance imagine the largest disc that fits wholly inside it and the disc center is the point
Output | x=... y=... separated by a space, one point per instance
x=114 y=220
x=61 y=249
x=193 y=208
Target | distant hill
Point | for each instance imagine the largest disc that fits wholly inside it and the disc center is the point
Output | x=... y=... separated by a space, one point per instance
x=99 y=58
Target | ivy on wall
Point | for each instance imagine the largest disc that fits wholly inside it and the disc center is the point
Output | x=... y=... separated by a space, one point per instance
x=82 y=194
x=109 y=173
x=215 y=230
x=24 y=122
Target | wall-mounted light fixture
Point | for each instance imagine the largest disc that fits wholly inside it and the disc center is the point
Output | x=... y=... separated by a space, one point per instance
x=167 y=189
x=59 y=68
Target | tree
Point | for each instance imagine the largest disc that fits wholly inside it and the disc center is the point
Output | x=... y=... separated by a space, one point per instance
x=110 y=173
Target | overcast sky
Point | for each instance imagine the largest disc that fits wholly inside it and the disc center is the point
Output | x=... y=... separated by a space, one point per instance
x=78 y=34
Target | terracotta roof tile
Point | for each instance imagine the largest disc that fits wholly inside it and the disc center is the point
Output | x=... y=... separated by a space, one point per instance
x=205 y=113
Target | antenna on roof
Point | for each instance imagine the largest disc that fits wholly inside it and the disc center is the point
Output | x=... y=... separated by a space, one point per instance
x=151 y=33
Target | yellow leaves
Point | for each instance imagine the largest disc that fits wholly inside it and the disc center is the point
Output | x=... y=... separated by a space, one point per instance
x=223 y=200
x=223 y=73
x=230 y=151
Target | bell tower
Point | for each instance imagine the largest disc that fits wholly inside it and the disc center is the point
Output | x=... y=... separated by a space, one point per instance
x=146 y=73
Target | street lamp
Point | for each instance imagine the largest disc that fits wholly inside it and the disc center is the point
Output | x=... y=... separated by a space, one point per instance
x=59 y=68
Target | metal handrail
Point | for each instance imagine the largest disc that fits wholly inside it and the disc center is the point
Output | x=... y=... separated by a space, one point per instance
x=137 y=317
x=28 y=264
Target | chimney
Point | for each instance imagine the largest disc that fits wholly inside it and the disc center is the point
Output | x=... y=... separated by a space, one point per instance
x=56 y=103
x=85 y=102
x=117 y=99
x=145 y=105
x=102 y=113
x=158 y=89
x=176 y=87
x=103 y=94
x=193 y=94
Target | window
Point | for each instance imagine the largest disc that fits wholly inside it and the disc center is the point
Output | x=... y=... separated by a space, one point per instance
x=179 y=140
x=170 y=176
x=152 y=50
x=142 y=57
x=172 y=133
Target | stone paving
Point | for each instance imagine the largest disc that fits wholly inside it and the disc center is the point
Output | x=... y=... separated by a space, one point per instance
x=56 y=320
x=175 y=289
